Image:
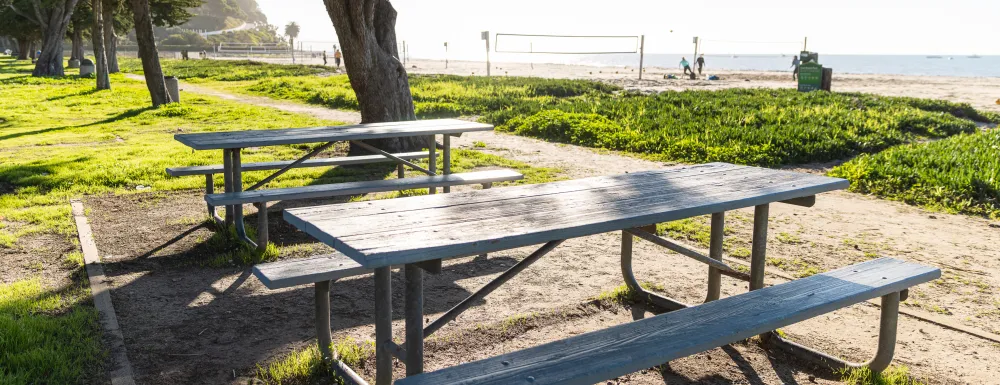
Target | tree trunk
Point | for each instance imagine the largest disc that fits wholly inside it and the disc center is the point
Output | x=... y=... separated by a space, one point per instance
x=367 y=33
x=147 y=52
x=110 y=38
x=76 y=51
x=23 y=49
x=50 y=62
x=97 y=34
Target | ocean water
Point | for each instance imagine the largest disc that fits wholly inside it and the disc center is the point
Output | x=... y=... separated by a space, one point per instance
x=947 y=65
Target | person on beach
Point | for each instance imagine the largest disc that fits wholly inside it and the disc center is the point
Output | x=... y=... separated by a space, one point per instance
x=795 y=66
x=324 y=57
x=336 y=57
x=686 y=66
x=701 y=63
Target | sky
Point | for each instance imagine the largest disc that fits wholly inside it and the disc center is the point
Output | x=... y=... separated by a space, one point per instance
x=892 y=27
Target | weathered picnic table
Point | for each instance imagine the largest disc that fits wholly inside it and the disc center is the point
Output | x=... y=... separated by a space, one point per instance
x=233 y=142
x=419 y=232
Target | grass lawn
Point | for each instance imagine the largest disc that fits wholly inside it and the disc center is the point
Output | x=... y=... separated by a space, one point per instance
x=957 y=174
x=746 y=126
x=59 y=138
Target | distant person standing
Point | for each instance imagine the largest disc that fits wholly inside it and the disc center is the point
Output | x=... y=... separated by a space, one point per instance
x=686 y=66
x=324 y=58
x=336 y=57
x=701 y=63
x=795 y=66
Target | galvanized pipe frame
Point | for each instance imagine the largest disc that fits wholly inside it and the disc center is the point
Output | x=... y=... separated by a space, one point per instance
x=887 y=321
x=883 y=354
x=324 y=335
x=397 y=159
x=236 y=168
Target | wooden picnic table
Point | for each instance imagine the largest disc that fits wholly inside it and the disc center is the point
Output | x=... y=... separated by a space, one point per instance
x=418 y=232
x=232 y=142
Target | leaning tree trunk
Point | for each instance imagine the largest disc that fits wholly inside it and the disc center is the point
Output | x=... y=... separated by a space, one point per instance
x=367 y=33
x=110 y=37
x=23 y=49
x=147 y=52
x=97 y=34
x=54 y=26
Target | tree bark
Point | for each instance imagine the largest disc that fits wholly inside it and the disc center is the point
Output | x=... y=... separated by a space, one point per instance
x=76 y=51
x=367 y=33
x=147 y=52
x=54 y=21
x=23 y=49
x=110 y=37
x=97 y=34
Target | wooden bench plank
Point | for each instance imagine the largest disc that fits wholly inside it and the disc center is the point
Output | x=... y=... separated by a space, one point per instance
x=354 y=188
x=261 y=138
x=602 y=355
x=281 y=274
x=320 y=162
x=455 y=225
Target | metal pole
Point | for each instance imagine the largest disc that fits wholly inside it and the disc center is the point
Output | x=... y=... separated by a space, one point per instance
x=715 y=252
x=758 y=252
x=805 y=44
x=323 y=336
x=227 y=177
x=432 y=161
x=383 y=325
x=262 y=234
x=642 y=50
x=414 y=308
x=486 y=36
x=447 y=158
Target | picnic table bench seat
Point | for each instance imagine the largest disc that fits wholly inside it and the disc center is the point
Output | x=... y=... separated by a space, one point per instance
x=277 y=165
x=262 y=197
x=362 y=187
x=606 y=354
x=302 y=271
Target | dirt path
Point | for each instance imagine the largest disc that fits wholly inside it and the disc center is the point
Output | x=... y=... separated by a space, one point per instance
x=319 y=112
x=237 y=314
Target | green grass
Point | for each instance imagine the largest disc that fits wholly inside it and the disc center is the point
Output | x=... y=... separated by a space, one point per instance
x=895 y=375
x=224 y=70
x=306 y=366
x=960 y=174
x=48 y=337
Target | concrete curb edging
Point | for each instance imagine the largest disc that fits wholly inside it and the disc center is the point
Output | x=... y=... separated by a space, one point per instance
x=121 y=371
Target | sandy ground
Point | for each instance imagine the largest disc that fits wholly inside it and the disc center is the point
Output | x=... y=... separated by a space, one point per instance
x=186 y=323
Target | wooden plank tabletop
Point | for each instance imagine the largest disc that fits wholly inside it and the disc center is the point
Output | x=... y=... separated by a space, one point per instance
x=259 y=138
x=414 y=229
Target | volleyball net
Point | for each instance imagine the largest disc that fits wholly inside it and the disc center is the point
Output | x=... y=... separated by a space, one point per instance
x=565 y=44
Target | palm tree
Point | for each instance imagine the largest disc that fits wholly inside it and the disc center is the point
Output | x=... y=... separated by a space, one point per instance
x=292 y=31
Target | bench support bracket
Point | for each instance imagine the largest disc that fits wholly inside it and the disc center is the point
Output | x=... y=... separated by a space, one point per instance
x=883 y=355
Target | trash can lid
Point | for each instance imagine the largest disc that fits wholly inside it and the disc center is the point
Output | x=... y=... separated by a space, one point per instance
x=86 y=62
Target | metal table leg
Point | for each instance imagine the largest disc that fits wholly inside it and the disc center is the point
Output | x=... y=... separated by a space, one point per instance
x=227 y=176
x=447 y=158
x=653 y=298
x=432 y=160
x=414 y=308
x=324 y=336
x=237 y=186
x=212 y=212
x=383 y=326
x=715 y=252
x=758 y=251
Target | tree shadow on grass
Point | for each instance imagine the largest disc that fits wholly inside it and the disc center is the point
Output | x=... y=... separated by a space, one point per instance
x=81 y=93
x=124 y=115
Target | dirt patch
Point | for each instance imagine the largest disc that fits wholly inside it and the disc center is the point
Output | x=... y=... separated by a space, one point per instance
x=40 y=255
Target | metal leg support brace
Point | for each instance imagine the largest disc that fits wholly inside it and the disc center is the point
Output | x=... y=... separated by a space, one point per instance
x=325 y=338
x=650 y=297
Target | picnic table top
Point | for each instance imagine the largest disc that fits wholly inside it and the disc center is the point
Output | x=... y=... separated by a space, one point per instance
x=407 y=230
x=260 y=138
